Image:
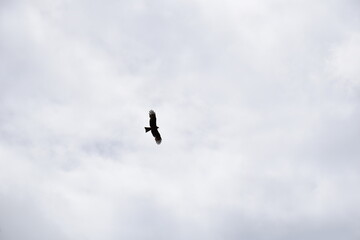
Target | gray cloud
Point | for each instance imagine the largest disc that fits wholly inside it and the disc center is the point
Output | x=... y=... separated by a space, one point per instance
x=257 y=103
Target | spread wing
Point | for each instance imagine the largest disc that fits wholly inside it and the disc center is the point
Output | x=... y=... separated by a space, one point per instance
x=156 y=135
x=152 y=119
x=153 y=127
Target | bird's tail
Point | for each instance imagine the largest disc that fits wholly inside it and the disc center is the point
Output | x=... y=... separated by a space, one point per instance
x=147 y=129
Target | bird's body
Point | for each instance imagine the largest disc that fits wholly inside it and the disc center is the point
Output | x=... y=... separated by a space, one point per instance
x=153 y=128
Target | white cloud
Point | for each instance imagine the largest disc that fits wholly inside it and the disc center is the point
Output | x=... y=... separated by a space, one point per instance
x=342 y=63
x=257 y=103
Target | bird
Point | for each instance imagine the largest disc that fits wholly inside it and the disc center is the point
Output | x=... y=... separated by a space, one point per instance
x=153 y=128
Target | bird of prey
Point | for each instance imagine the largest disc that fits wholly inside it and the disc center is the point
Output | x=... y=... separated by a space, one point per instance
x=153 y=128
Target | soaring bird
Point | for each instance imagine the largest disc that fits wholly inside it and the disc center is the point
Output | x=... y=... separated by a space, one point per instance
x=153 y=128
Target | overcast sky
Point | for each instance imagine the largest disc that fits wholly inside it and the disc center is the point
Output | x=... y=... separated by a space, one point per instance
x=258 y=104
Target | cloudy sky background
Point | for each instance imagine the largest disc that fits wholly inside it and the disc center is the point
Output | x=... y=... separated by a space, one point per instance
x=258 y=104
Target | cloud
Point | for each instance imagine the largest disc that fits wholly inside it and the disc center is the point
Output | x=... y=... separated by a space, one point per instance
x=257 y=104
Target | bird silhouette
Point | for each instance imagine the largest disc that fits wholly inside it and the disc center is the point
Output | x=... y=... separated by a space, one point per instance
x=153 y=128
